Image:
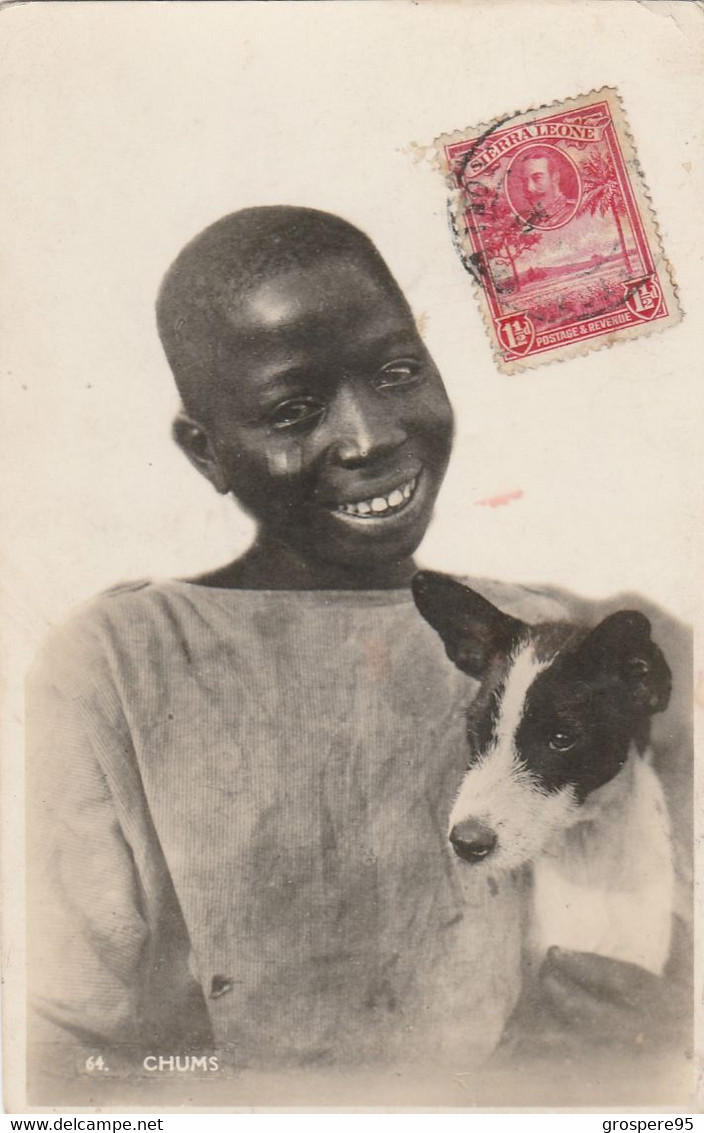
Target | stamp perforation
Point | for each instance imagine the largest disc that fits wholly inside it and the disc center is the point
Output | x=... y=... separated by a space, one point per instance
x=643 y=299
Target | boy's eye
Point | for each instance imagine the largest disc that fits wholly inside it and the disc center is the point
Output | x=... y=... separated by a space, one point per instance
x=562 y=740
x=297 y=411
x=400 y=372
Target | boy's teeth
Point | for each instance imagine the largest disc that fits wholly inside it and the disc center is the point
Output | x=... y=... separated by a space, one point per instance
x=380 y=504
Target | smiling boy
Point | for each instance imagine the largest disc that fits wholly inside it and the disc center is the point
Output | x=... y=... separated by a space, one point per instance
x=323 y=413
x=241 y=782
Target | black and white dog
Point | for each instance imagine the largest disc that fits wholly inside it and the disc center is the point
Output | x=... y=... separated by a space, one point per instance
x=560 y=773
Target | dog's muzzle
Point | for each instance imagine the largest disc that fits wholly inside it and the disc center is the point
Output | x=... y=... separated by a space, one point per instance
x=472 y=840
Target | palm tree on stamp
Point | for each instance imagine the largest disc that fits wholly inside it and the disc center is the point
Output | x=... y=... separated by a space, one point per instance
x=601 y=193
x=505 y=236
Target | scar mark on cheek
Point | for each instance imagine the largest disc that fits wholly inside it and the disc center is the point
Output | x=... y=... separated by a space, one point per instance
x=287 y=463
x=501 y=500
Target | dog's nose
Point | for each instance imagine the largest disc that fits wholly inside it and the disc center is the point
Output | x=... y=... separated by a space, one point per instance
x=472 y=840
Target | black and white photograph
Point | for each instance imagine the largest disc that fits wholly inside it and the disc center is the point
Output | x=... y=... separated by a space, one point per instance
x=349 y=679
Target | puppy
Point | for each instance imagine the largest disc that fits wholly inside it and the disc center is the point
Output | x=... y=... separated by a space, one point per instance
x=559 y=772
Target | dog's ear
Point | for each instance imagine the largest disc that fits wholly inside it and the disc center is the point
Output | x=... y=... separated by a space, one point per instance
x=621 y=649
x=473 y=631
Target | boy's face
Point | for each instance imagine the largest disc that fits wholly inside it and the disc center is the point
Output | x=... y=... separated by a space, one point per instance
x=330 y=422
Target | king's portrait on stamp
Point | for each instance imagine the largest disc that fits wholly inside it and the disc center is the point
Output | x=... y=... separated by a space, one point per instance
x=363 y=794
x=545 y=187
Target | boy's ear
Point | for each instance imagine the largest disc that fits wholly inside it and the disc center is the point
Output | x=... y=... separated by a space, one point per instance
x=473 y=631
x=621 y=650
x=194 y=441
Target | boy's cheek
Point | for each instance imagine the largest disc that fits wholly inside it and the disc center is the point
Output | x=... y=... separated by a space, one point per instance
x=439 y=432
x=270 y=483
x=285 y=463
x=259 y=466
x=438 y=419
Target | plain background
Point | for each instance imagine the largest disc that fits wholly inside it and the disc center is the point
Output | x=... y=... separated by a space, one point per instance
x=127 y=127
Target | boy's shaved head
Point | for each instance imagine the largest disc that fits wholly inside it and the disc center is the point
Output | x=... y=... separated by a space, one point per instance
x=212 y=275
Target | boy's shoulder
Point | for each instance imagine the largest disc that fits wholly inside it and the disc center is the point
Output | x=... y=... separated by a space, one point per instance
x=142 y=602
x=530 y=603
x=131 y=586
x=535 y=603
x=82 y=639
x=94 y=612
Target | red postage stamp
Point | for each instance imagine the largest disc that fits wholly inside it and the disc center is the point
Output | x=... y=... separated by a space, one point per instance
x=551 y=216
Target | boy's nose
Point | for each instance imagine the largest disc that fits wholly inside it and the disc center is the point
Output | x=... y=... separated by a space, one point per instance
x=361 y=429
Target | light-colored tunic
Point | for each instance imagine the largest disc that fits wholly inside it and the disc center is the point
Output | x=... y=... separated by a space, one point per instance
x=239 y=832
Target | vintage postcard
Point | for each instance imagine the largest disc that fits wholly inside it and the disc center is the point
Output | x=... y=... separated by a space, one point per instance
x=552 y=218
x=347 y=718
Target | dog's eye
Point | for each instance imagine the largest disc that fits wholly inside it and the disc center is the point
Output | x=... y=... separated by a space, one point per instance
x=638 y=667
x=562 y=741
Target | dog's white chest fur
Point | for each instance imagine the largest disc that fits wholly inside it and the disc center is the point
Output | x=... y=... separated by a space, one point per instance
x=606 y=884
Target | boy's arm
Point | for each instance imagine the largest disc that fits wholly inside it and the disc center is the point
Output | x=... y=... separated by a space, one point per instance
x=108 y=950
x=672 y=740
x=85 y=929
x=620 y=1003
x=585 y=998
